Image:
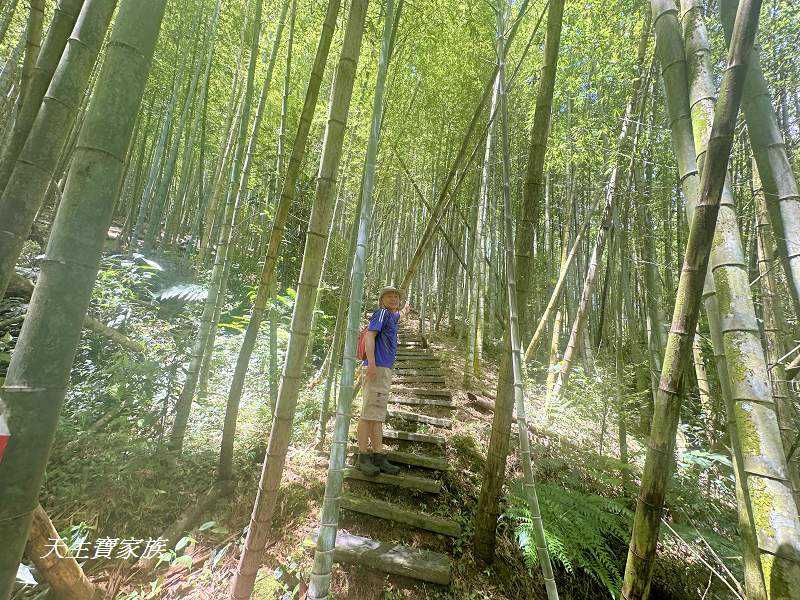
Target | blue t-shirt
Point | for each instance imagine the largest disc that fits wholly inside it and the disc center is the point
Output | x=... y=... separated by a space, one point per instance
x=384 y=322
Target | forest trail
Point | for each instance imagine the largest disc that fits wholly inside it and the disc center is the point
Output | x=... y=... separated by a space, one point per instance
x=592 y=208
x=399 y=524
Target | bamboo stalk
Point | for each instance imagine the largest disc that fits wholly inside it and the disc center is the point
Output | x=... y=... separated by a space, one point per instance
x=658 y=462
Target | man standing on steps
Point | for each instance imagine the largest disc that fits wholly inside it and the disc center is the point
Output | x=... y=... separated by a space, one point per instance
x=380 y=344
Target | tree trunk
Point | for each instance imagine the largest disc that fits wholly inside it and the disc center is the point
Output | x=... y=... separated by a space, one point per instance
x=764 y=463
x=288 y=191
x=316 y=240
x=319 y=587
x=774 y=317
x=658 y=462
x=532 y=191
x=515 y=345
x=26 y=188
x=39 y=370
x=777 y=177
x=57 y=566
x=64 y=18
x=217 y=285
x=33 y=44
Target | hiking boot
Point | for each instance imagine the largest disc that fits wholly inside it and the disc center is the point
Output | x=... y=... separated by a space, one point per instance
x=366 y=465
x=384 y=465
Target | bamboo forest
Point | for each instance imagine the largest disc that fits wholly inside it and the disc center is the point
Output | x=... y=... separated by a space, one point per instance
x=399 y=299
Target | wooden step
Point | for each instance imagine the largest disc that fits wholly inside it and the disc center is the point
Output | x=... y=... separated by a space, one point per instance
x=422 y=391
x=410 y=401
x=418 y=460
x=423 y=484
x=411 y=436
x=417 y=362
x=419 y=379
x=409 y=416
x=395 y=559
x=416 y=371
x=412 y=459
x=392 y=512
x=414 y=353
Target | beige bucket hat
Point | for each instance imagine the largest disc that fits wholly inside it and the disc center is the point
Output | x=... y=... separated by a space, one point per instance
x=387 y=290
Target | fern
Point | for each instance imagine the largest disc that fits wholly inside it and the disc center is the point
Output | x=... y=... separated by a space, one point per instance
x=581 y=531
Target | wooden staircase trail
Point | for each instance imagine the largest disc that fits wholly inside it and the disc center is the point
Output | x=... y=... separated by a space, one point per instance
x=378 y=512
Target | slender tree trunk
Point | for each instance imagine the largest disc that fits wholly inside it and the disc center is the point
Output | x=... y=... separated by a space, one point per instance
x=211 y=209
x=319 y=587
x=157 y=162
x=765 y=470
x=8 y=14
x=161 y=193
x=217 y=285
x=656 y=340
x=7 y=76
x=658 y=462
x=774 y=317
x=476 y=257
x=25 y=191
x=494 y=472
x=316 y=240
x=532 y=191
x=339 y=332
x=288 y=191
x=64 y=18
x=628 y=132
x=33 y=44
x=39 y=371
x=623 y=291
x=515 y=346
x=769 y=149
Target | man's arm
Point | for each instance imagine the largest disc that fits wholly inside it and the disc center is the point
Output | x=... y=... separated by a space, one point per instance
x=405 y=310
x=369 y=348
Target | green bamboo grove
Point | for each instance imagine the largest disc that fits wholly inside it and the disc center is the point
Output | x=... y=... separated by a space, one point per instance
x=379 y=299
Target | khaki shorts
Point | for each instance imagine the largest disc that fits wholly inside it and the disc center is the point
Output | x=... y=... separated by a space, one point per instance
x=376 y=394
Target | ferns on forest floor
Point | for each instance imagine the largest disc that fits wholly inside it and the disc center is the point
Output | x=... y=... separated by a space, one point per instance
x=582 y=531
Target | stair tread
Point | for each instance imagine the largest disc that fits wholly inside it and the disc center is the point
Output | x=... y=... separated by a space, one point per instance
x=414 y=459
x=404 y=371
x=396 y=559
x=421 y=391
x=419 y=378
x=411 y=401
x=393 y=512
x=409 y=416
x=411 y=436
x=423 y=484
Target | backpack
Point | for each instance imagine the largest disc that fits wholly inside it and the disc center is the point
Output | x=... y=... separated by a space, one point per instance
x=361 y=349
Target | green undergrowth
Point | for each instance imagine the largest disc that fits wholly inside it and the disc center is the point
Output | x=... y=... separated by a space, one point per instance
x=584 y=532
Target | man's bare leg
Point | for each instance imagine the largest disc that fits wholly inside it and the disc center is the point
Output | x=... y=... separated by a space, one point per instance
x=376 y=436
x=363 y=434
